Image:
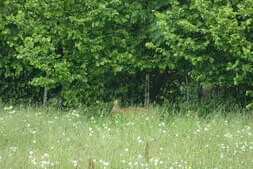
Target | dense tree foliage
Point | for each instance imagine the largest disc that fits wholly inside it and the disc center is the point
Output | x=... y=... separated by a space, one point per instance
x=210 y=40
x=84 y=51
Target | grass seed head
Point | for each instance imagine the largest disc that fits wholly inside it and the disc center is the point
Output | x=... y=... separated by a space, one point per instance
x=146 y=151
x=90 y=164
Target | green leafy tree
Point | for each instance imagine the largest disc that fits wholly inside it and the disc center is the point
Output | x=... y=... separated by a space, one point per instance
x=213 y=37
x=81 y=51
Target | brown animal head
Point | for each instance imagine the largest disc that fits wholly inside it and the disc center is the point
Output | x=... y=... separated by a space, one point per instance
x=116 y=108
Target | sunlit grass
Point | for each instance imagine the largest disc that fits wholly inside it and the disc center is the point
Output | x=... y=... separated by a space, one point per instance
x=49 y=138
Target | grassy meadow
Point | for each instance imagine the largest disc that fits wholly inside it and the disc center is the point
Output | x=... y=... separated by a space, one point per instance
x=40 y=138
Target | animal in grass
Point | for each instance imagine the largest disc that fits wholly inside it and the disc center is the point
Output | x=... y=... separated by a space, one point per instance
x=117 y=109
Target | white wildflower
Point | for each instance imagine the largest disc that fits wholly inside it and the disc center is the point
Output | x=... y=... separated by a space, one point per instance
x=8 y=108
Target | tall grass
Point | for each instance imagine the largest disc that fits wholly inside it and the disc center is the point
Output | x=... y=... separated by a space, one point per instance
x=182 y=136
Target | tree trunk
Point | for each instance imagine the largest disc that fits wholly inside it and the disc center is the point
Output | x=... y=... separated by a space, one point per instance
x=200 y=92
x=187 y=89
x=45 y=96
x=147 y=92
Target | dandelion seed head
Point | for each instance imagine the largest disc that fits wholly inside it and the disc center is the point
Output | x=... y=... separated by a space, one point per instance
x=46 y=155
x=226 y=122
x=228 y=135
x=74 y=162
x=106 y=163
x=34 y=162
x=12 y=112
x=162 y=124
x=14 y=149
x=43 y=162
x=8 y=108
